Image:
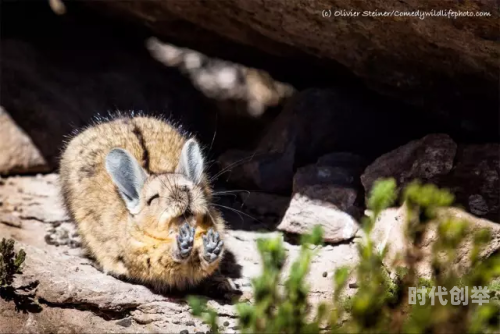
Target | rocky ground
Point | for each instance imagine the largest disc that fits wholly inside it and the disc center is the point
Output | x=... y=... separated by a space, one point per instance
x=76 y=297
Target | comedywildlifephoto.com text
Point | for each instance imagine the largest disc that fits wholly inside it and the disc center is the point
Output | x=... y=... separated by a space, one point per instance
x=447 y=13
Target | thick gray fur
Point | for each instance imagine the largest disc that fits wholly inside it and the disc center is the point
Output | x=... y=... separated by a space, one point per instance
x=191 y=162
x=127 y=175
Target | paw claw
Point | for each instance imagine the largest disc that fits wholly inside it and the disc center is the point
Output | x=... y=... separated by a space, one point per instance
x=185 y=240
x=212 y=245
x=218 y=249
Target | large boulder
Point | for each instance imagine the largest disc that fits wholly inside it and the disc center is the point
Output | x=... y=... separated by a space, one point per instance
x=389 y=230
x=475 y=179
x=471 y=172
x=236 y=88
x=19 y=153
x=432 y=54
x=425 y=159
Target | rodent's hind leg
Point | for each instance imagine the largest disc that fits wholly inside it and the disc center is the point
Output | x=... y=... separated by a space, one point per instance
x=185 y=240
x=212 y=247
x=113 y=266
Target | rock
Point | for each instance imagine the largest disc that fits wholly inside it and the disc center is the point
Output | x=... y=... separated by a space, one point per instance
x=19 y=153
x=304 y=213
x=127 y=322
x=11 y=220
x=474 y=180
x=326 y=194
x=470 y=172
x=73 y=283
x=76 y=297
x=57 y=320
x=313 y=123
x=34 y=198
x=389 y=230
x=224 y=81
x=459 y=53
x=425 y=159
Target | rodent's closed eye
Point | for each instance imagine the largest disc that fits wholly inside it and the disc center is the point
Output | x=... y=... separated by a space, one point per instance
x=152 y=198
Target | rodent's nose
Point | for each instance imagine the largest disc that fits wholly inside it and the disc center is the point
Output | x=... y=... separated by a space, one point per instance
x=180 y=196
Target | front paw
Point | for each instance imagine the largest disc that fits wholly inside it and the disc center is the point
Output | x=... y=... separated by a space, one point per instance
x=212 y=246
x=185 y=240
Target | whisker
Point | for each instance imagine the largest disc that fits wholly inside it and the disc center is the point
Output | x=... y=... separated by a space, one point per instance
x=242 y=220
x=237 y=211
x=234 y=164
x=231 y=191
x=215 y=133
x=248 y=192
x=168 y=180
x=218 y=195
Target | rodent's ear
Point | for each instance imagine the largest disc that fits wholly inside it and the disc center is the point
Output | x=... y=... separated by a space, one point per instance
x=127 y=175
x=191 y=162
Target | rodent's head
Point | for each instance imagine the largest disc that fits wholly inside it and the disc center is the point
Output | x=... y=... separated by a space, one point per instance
x=157 y=203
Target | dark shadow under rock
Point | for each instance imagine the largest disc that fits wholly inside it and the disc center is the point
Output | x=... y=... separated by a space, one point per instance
x=316 y=122
x=248 y=210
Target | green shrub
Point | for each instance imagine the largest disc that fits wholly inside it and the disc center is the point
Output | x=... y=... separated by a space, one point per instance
x=381 y=304
x=10 y=262
x=10 y=265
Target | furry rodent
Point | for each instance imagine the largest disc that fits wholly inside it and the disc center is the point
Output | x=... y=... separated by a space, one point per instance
x=136 y=188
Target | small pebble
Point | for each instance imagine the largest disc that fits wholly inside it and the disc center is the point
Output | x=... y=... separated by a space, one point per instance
x=325 y=274
x=190 y=323
x=184 y=331
x=127 y=322
x=226 y=323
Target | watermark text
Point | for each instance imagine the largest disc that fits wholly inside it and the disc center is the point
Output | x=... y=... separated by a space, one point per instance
x=457 y=296
x=448 y=13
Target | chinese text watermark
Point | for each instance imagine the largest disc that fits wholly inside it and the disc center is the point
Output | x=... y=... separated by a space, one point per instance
x=458 y=296
x=448 y=13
